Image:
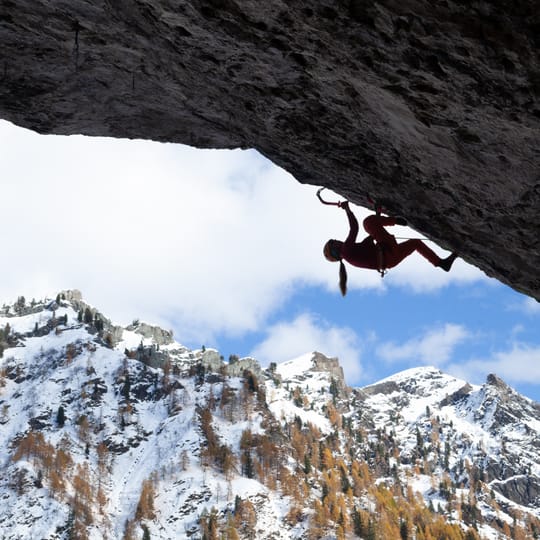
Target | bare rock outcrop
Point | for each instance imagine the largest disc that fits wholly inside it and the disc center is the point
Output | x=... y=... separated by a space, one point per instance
x=432 y=106
x=155 y=333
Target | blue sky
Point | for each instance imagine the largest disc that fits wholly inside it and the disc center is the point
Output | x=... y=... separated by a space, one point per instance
x=225 y=249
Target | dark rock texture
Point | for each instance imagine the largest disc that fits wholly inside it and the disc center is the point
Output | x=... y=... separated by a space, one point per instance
x=523 y=490
x=432 y=106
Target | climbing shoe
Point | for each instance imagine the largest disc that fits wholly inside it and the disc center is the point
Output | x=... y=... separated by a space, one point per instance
x=447 y=263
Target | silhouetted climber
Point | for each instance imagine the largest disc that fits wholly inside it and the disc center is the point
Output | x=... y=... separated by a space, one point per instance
x=378 y=251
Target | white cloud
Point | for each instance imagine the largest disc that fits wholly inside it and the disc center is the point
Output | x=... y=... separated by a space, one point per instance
x=207 y=239
x=204 y=241
x=519 y=364
x=517 y=329
x=524 y=305
x=435 y=347
x=288 y=340
x=531 y=306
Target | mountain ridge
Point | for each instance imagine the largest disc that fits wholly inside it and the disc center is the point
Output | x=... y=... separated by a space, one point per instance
x=129 y=438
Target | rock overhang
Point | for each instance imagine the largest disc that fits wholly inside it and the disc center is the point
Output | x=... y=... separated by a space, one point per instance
x=431 y=106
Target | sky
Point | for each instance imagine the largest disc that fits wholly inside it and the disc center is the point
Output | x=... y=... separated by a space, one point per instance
x=225 y=249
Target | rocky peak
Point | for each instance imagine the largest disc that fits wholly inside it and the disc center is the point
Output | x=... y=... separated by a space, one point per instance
x=213 y=361
x=500 y=406
x=241 y=365
x=155 y=333
x=422 y=382
x=325 y=364
x=497 y=382
x=492 y=425
x=74 y=297
x=313 y=372
x=458 y=395
x=71 y=295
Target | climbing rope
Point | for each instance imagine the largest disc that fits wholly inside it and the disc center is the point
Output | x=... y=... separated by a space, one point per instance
x=412 y=238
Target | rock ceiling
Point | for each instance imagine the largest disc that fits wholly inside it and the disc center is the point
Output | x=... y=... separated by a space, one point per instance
x=432 y=106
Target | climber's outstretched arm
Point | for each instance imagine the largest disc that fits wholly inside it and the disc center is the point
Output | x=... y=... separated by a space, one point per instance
x=353 y=223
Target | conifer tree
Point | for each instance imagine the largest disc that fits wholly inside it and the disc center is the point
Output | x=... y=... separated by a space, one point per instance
x=129 y=530
x=145 y=507
x=230 y=529
x=4 y=411
x=88 y=317
x=307 y=464
x=247 y=464
x=98 y=323
x=404 y=530
x=334 y=389
x=21 y=302
x=184 y=460
x=209 y=525
x=103 y=459
x=371 y=531
x=60 y=417
x=358 y=523
x=126 y=387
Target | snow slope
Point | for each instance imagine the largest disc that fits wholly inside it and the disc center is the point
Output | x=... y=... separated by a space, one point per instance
x=106 y=433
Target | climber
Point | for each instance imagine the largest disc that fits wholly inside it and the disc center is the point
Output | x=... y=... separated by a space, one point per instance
x=379 y=250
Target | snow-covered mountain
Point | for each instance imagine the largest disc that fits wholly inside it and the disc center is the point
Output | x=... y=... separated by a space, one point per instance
x=123 y=433
x=482 y=438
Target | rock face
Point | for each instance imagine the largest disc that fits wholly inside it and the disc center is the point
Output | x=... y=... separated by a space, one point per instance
x=157 y=334
x=457 y=412
x=523 y=490
x=430 y=106
x=329 y=365
x=213 y=362
x=238 y=368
